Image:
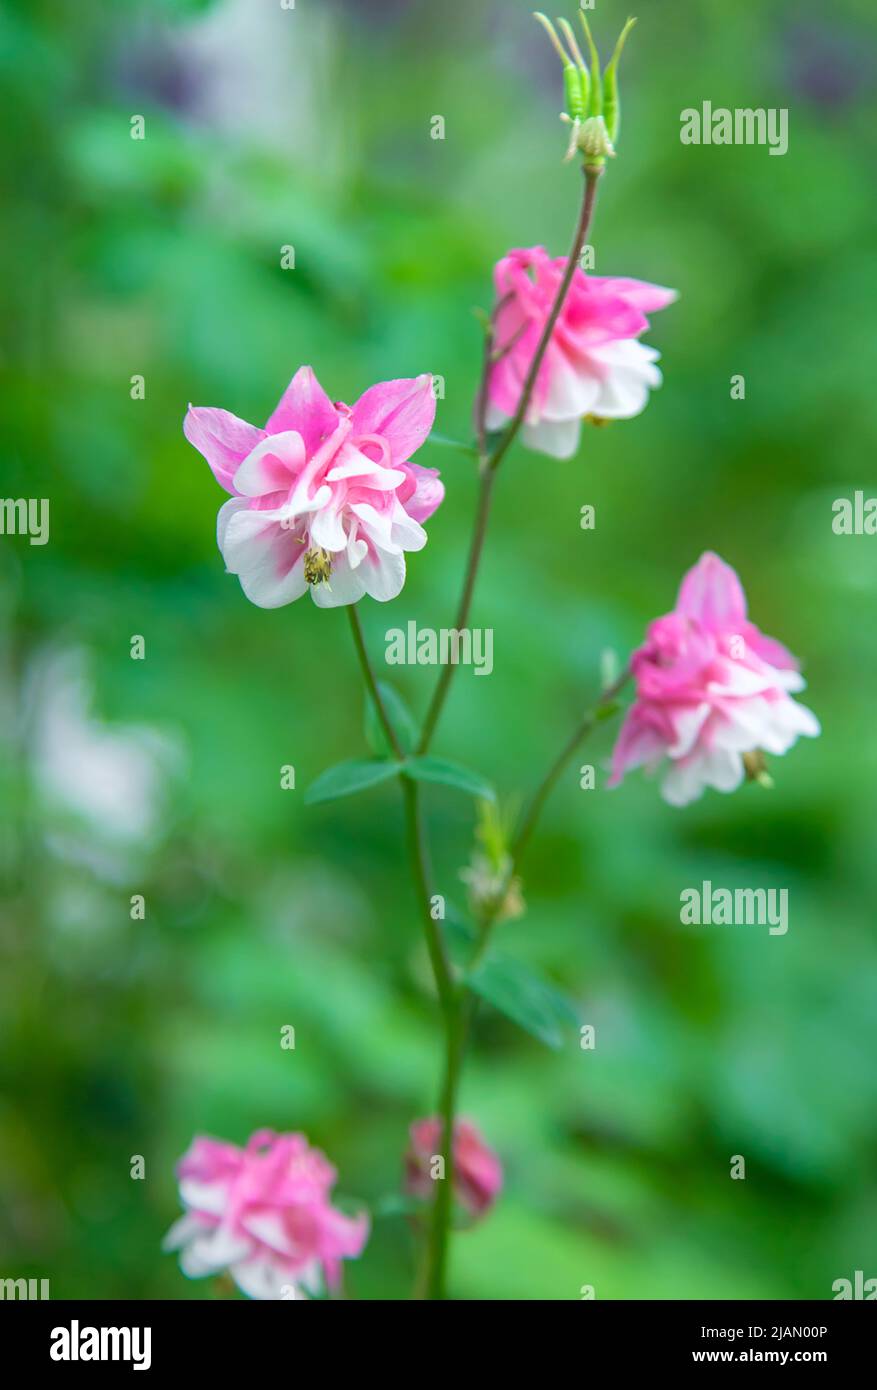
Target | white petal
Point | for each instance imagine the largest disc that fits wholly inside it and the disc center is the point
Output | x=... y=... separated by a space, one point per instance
x=683 y=782
x=268 y=588
x=688 y=724
x=327 y=531
x=345 y=585
x=207 y=1254
x=378 y=526
x=405 y=532
x=260 y=1279
x=557 y=438
x=624 y=392
x=270 y=467
x=571 y=392
x=225 y=514
x=184 y=1229
x=722 y=769
x=716 y=767
x=248 y=536
x=494 y=418
x=383 y=574
x=358 y=465
x=204 y=1196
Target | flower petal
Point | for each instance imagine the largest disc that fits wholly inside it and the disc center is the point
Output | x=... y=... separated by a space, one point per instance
x=305 y=408
x=401 y=411
x=222 y=438
x=712 y=593
x=272 y=465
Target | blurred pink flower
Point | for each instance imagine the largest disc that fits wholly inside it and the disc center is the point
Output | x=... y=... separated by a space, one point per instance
x=477 y=1169
x=325 y=496
x=593 y=367
x=263 y=1214
x=712 y=693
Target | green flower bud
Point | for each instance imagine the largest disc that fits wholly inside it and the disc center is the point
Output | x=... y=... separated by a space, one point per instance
x=592 y=103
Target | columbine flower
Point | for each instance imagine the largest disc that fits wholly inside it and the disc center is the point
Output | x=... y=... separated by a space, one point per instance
x=325 y=496
x=712 y=692
x=477 y=1170
x=594 y=366
x=263 y=1214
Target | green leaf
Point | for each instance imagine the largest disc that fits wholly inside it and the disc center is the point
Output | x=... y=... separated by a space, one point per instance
x=527 y=999
x=346 y=778
x=460 y=936
x=428 y=769
x=444 y=442
x=397 y=1204
x=399 y=716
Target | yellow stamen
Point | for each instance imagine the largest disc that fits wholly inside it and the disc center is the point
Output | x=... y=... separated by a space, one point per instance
x=318 y=565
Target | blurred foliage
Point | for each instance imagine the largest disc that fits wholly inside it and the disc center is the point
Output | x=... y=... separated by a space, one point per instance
x=311 y=127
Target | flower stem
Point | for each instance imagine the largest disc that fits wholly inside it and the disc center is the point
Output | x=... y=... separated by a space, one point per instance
x=371 y=682
x=533 y=810
x=489 y=462
x=443 y=1207
x=479 y=533
x=442 y=1210
x=581 y=232
x=444 y=980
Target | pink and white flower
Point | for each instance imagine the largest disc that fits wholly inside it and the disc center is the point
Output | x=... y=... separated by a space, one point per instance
x=712 y=692
x=325 y=497
x=263 y=1215
x=594 y=366
x=477 y=1170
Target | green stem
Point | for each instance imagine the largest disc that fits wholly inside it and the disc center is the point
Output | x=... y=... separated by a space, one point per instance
x=489 y=463
x=444 y=980
x=442 y=1210
x=581 y=233
x=371 y=682
x=443 y=1207
x=419 y=849
x=533 y=810
x=479 y=533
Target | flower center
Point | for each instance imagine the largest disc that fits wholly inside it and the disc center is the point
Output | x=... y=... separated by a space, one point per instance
x=318 y=565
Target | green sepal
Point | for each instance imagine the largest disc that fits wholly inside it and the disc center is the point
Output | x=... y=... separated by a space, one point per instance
x=595 y=107
x=611 y=99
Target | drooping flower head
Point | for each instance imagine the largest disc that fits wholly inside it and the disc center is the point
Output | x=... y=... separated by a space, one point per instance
x=263 y=1214
x=477 y=1169
x=712 y=692
x=325 y=497
x=594 y=366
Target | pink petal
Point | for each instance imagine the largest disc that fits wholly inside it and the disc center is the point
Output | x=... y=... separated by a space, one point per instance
x=640 y=293
x=304 y=407
x=401 y=411
x=222 y=438
x=272 y=465
x=712 y=593
x=422 y=493
x=769 y=649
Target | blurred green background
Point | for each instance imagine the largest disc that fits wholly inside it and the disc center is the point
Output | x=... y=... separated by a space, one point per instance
x=311 y=128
